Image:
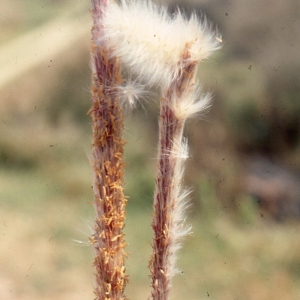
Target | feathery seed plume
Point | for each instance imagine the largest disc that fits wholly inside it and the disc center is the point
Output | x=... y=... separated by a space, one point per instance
x=130 y=93
x=150 y=41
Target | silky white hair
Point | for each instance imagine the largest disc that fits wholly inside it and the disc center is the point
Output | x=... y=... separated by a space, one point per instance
x=150 y=41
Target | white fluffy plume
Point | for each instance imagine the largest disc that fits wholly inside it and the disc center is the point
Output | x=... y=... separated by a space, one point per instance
x=150 y=42
x=131 y=93
x=192 y=103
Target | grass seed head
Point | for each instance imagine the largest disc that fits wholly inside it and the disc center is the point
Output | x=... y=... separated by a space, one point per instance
x=150 y=41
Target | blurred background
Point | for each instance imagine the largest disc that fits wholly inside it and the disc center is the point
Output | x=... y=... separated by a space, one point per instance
x=244 y=166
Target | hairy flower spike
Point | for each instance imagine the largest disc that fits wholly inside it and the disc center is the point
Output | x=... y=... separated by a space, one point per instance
x=108 y=239
x=150 y=42
x=158 y=49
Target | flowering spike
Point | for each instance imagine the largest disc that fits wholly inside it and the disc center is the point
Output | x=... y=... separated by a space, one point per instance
x=107 y=162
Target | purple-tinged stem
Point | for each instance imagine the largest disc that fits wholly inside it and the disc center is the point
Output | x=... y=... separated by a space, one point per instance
x=107 y=163
x=168 y=200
